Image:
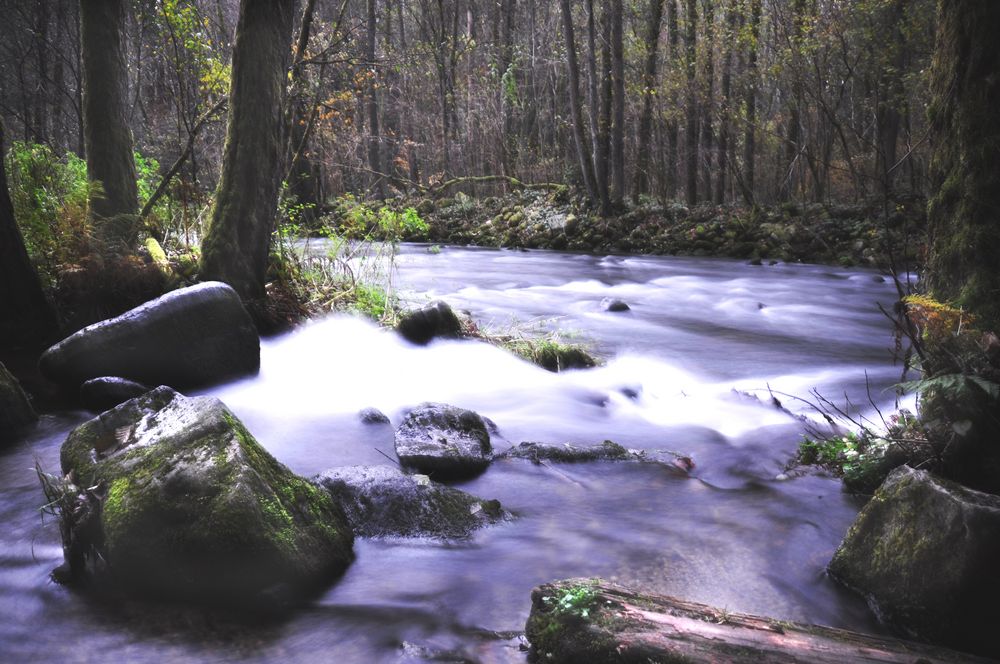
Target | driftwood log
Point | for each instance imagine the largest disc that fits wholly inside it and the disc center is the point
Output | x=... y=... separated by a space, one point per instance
x=583 y=620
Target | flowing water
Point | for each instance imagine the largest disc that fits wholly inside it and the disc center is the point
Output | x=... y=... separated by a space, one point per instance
x=737 y=533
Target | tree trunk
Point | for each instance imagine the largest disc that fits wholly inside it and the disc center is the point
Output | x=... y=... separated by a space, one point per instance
x=750 y=100
x=707 y=128
x=691 y=131
x=673 y=126
x=618 y=104
x=25 y=315
x=107 y=136
x=235 y=248
x=374 y=137
x=964 y=263
x=599 y=83
x=579 y=134
x=645 y=135
x=725 y=120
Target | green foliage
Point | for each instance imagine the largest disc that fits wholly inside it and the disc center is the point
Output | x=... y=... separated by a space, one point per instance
x=578 y=600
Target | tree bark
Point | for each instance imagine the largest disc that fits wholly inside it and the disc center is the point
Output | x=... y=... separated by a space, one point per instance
x=691 y=131
x=725 y=121
x=579 y=134
x=708 y=165
x=107 y=137
x=964 y=214
x=374 y=135
x=750 y=100
x=673 y=126
x=25 y=315
x=645 y=135
x=235 y=248
x=618 y=104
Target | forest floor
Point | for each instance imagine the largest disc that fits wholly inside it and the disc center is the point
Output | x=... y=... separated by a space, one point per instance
x=869 y=235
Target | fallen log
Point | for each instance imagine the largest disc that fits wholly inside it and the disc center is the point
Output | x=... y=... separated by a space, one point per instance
x=589 y=620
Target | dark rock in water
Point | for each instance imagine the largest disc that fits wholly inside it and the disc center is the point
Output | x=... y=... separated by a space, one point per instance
x=632 y=393
x=755 y=262
x=15 y=409
x=187 y=338
x=373 y=416
x=444 y=441
x=559 y=357
x=924 y=552
x=606 y=451
x=194 y=509
x=433 y=321
x=382 y=501
x=614 y=305
x=590 y=620
x=100 y=394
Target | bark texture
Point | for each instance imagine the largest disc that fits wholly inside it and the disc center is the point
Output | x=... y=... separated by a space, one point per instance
x=24 y=311
x=236 y=246
x=964 y=215
x=107 y=136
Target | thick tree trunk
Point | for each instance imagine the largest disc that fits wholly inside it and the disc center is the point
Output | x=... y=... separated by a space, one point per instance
x=964 y=214
x=673 y=126
x=598 y=95
x=235 y=248
x=579 y=134
x=609 y=623
x=105 y=113
x=25 y=315
x=645 y=135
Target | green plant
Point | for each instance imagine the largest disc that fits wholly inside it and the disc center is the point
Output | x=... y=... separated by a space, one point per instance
x=578 y=600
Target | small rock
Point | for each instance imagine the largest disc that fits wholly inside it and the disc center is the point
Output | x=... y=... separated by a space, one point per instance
x=754 y=261
x=444 y=441
x=614 y=305
x=382 y=501
x=433 y=321
x=536 y=452
x=373 y=416
x=100 y=394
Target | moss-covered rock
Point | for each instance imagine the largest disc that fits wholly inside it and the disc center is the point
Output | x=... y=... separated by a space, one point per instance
x=382 y=501
x=195 y=509
x=444 y=441
x=606 y=451
x=924 y=553
x=15 y=409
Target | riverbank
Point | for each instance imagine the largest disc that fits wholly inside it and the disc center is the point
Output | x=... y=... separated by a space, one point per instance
x=866 y=235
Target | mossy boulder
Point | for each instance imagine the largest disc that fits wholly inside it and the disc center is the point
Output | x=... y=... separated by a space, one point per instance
x=106 y=392
x=924 y=553
x=382 y=501
x=433 y=321
x=194 y=509
x=444 y=441
x=15 y=409
x=187 y=338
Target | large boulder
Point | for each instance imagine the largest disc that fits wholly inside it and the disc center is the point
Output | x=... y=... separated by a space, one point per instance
x=193 y=508
x=433 y=321
x=924 y=552
x=15 y=409
x=382 y=501
x=444 y=441
x=106 y=392
x=187 y=338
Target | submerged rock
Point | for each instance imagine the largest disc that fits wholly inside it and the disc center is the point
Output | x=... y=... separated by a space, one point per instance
x=433 y=321
x=194 y=509
x=606 y=451
x=187 y=338
x=373 y=416
x=444 y=441
x=382 y=501
x=15 y=409
x=589 y=620
x=614 y=305
x=100 y=394
x=924 y=553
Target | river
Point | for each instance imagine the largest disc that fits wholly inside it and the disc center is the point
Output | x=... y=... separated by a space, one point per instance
x=736 y=534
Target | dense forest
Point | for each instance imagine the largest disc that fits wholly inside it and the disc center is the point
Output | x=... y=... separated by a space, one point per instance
x=813 y=188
